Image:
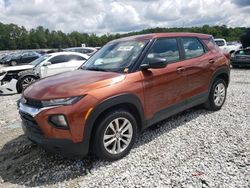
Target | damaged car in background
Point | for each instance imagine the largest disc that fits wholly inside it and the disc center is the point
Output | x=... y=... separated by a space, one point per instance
x=15 y=79
x=241 y=58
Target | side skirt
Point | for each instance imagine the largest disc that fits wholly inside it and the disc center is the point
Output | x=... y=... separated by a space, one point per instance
x=176 y=108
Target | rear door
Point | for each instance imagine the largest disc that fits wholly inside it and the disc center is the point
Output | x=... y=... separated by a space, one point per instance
x=75 y=61
x=163 y=87
x=25 y=58
x=197 y=64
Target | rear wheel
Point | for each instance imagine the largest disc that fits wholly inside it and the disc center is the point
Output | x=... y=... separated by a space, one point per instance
x=217 y=95
x=235 y=66
x=115 y=135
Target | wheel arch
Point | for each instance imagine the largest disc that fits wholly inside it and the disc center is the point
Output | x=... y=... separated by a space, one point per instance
x=223 y=73
x=128 y=102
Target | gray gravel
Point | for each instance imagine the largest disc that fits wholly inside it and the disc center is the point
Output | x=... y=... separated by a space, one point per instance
x=196 y=148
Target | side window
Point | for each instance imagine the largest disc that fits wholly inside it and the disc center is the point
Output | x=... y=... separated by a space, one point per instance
x=25 y=55
x=165 y=48
x=76 y=57
x=192 y=47
x=59 y=59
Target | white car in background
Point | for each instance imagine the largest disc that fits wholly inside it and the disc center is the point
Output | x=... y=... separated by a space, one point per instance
x=226 y=47
x=16 y=79
x=59 y=62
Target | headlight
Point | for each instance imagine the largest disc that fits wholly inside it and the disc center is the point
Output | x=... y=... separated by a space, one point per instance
x=64 y=101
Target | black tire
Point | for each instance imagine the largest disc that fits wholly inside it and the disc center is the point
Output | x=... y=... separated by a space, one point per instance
x=102 y=125
x=235 y=66
x=20 y=83
x=13 y=63
x=210 y=103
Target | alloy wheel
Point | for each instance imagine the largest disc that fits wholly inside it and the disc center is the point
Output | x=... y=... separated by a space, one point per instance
x=118 y=135
x=27 y=81
x=219 y=94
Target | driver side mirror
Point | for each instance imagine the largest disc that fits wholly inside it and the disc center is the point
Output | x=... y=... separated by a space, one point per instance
x=47 y=63
x=154 y=63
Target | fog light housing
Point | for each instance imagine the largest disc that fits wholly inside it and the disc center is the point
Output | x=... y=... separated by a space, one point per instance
x=58 y=121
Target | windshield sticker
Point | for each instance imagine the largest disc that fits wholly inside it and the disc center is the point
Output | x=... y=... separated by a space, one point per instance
x=125 y=70
x=125 y=48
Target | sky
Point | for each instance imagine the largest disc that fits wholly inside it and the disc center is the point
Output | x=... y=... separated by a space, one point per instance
x=119 y=16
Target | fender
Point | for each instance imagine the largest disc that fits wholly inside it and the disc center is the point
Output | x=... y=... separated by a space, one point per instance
x=106 y=104
x=217 y=73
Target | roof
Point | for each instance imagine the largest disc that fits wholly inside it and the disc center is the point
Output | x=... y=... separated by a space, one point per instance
x=74 y=48
x=163 y=35
x=69 y=53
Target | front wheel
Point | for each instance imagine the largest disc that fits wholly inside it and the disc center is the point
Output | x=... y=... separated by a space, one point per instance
x=115 y=135
x=13 y=63
x=24 y=82
x=217 y=95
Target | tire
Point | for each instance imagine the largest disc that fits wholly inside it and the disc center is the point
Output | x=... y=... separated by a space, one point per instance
x=106 y=148
x=13 y=63
x=25 y=81
x=217 y=95
x=235 y=66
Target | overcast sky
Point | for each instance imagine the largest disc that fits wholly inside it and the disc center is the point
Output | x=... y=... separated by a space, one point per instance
x=102 y=16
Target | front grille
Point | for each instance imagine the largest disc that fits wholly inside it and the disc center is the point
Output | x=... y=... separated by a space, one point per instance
x=34 y=103
x=30 y=123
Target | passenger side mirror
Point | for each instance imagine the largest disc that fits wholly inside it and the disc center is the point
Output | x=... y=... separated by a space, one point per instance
x=154 y=63
x=46 y=63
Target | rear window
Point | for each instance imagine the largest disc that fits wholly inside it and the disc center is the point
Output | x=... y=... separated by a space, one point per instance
x=76 y=57
x=59 y=59
x=192 y=47
x=243 y=52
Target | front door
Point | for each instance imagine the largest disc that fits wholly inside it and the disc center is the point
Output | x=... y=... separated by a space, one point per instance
x=163 y=87
x=57 y=65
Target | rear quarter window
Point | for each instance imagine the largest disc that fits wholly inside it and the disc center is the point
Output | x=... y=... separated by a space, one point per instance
x=210 y=43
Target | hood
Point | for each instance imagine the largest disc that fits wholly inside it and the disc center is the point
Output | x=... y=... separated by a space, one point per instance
x=69 y=84
x=16 y=68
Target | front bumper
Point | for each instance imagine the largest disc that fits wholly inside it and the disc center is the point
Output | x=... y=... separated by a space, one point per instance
x=8 y=88
x=64 y=147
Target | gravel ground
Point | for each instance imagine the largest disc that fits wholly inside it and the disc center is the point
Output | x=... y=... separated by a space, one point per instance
x=196 y=148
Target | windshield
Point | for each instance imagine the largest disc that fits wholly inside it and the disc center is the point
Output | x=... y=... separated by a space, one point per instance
x=115 y=56
x=39 y=60
x=243 y=52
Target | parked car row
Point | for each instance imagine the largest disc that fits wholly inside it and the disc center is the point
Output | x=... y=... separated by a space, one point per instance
x=26 y=57
x=228 y=47
x=17 y=78
x=14 y=59
x=84 y=50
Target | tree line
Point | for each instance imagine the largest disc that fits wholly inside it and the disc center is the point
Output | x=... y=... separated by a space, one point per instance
x=14 y=37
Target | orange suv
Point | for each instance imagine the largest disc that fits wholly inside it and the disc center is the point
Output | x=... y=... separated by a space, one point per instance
x=128 y=85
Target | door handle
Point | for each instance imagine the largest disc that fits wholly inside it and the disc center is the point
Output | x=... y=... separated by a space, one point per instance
x=211 y=61
x=180 y=69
